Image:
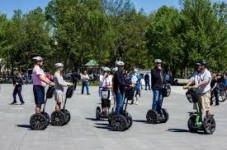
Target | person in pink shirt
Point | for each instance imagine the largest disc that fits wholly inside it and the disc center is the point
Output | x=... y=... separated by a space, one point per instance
x=39 y=82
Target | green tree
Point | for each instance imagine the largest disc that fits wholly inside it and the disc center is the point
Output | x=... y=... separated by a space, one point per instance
x=81 y=29
x=25 y=36
x=204 y=33
x=163 y=40
x=128 y=28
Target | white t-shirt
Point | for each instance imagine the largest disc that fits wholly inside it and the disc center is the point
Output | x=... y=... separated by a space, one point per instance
x=106 y=82
x=134 y=79
x=198 y=77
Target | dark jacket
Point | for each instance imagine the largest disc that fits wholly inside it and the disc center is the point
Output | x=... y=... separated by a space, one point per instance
x=75 y=77
x=157 y=78
x=17 y=81
x=118 y=82
x=146 y=78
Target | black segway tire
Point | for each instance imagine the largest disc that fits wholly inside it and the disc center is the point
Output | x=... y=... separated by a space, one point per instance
x=165 y=115
x=38 y=122
x=47 y=117
x=98 y=111
x=129 y=119
x=209 y=125
x=57 y=118
x=67 y=115
x=110 y=117
x=118 y=123
x=191 y=124
x=152 y=116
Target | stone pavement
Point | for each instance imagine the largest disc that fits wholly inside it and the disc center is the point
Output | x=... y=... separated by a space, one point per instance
x=85 y=133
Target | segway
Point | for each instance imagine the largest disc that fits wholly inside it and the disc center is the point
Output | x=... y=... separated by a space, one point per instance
x=123 y=121
x=195 y=122
x=40 y=121
x=69 y=94
x=105 y=102
x=154 y=117
x=62 y=117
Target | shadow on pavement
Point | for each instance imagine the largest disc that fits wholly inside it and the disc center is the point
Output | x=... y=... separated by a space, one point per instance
x=24 y=126
x=143 y=121
x=106 y=127
x=92 y=119
x=100 y=125
x=177 y=130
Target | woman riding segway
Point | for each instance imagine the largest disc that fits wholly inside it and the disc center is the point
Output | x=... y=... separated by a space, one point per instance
x=58 y=116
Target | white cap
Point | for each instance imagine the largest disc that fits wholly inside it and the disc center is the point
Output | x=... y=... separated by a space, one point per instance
x=135 y=70
x=114 y=69
x=119 y=63
x=106 y=69
x=158 y=61
x=37 y=58
x=58 y=65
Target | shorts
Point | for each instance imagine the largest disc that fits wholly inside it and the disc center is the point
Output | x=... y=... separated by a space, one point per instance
x=39 y=94
x=137 y=91
x=59 y=96
x=204 y=101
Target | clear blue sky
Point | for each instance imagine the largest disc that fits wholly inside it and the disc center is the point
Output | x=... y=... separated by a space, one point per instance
x=8 y=6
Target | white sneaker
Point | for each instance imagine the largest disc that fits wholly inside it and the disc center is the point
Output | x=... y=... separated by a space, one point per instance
x=137 y=102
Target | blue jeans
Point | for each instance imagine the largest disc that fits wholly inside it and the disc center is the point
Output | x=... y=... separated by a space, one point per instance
x=147 y=84
x=17 y=90
x=119 y=103
x=85 y=84
x=157 y=100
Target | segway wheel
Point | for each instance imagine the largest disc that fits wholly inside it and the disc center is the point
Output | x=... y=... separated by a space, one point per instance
x=191 y=124
x=98 y=110
x=57 y=118
x=118 y=123
x=152 y=116
x=129 y=119
x=47 y=117
x=209 y=125
x=38 y=122
x=67 y=115
x=166 y=115
x=110 y=116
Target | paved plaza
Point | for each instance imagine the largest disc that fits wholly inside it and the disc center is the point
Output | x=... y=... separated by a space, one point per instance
x=85 y=133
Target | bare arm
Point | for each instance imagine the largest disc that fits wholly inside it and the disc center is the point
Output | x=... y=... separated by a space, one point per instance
x=46 y=80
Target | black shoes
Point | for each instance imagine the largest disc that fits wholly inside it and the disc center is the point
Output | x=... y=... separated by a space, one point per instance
x=13 y=103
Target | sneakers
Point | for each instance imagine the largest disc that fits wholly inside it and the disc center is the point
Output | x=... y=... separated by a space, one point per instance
x=137 y=102
x=13 y=103
x=22 y=103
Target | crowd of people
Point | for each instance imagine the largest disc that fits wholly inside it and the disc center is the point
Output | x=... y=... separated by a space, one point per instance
x=206 y=84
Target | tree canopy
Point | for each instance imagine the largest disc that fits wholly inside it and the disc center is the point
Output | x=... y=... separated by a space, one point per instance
x=76 y=31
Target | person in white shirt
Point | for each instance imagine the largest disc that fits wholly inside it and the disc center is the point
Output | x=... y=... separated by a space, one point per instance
x=106 y=84
x=85 y=78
